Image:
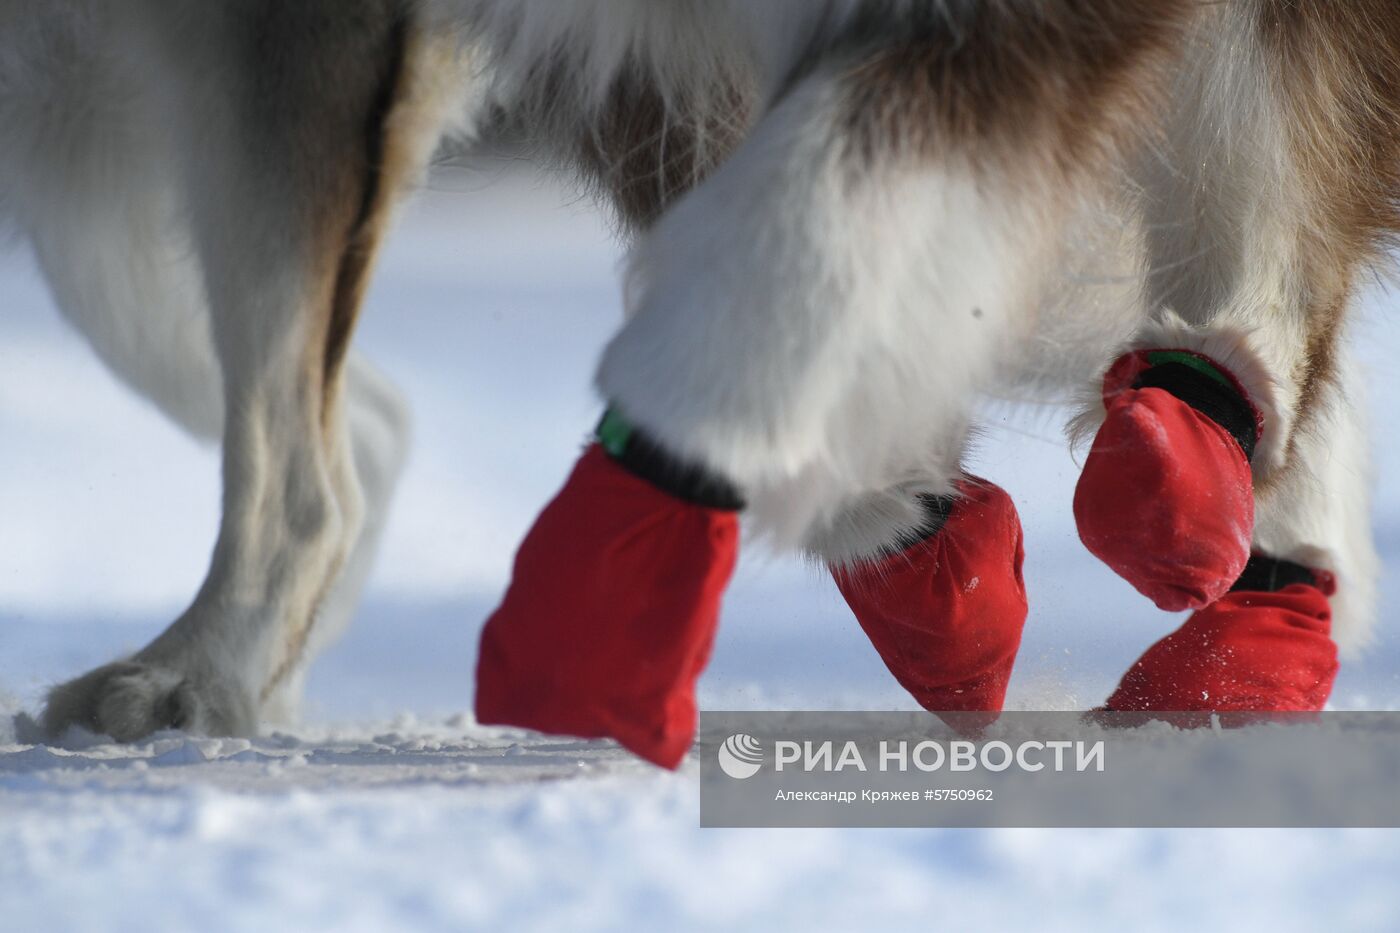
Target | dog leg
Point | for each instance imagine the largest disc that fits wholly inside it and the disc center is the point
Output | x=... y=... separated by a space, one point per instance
x=1317 y=512
x=84 y=175
x=146 y=318
x=1271 y=196
x=293 y=161
x=1258 y=221
x=811 y=319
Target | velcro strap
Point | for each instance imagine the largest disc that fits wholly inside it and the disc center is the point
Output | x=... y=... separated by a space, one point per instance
x=1210 y=394
x=644 y=458
x=1268 y=575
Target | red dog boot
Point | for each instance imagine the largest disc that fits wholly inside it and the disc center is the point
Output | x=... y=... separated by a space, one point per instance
x=946 y=612
x=1265 y=647
x=1166 y=497
x=613 y=603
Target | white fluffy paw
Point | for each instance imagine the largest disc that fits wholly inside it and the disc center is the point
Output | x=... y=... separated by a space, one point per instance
x=129 y=700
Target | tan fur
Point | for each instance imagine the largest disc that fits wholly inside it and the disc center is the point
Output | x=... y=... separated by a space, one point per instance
x=1075 y=79
x=415 y=89
x=639 y=151
x=643 y=160
x=1339 y=68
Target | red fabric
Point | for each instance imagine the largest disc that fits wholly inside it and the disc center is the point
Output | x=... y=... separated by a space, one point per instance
x=1166 y=497
x=610 y=614
x=1255 y=652
x=946 y=614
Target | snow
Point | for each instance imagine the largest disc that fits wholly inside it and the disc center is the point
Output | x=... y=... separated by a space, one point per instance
x=444 y=826
x=391 y=809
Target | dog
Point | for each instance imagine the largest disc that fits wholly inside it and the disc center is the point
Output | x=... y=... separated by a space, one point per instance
x=849 y=220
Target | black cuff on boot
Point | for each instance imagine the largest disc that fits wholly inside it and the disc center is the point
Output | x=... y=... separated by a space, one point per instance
x=1268 y=575
x=1210 y=394
x=646 y=459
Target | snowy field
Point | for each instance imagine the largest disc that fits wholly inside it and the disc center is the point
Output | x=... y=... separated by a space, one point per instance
x=391 y=809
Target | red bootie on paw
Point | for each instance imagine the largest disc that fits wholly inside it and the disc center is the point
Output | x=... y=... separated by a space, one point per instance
x=610 y=614
x=1166 y=497
x=1250 y=652
x=946 y=613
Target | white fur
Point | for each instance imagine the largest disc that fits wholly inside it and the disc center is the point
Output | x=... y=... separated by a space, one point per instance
x=824 y=340
x=1319 y=512
x=862 y=528
x=82 y=176
x=1223 y=221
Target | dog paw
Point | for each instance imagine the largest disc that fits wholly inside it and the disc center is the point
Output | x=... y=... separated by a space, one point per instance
x=129 y=700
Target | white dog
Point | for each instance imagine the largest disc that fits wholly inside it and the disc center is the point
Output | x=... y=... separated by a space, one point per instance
x=850 y=218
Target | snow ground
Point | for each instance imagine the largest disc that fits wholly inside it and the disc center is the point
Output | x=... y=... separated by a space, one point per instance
x=489 y=309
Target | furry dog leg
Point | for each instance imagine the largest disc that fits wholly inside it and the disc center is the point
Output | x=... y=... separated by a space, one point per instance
x=292 y=162
x=1258 y=221
x=86 y=177
x=1271 y=195
x=1317 y=511
x=119 y=273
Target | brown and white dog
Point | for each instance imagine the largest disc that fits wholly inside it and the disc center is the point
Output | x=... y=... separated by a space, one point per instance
x=849 y=218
